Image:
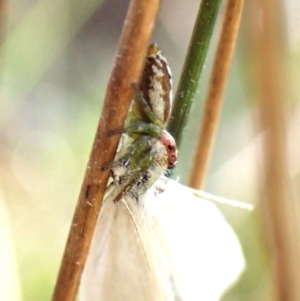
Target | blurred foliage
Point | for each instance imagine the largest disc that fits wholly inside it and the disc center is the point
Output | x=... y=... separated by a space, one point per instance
x=57 y=57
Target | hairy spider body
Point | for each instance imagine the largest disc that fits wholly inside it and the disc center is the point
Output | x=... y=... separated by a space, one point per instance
x=146 y=149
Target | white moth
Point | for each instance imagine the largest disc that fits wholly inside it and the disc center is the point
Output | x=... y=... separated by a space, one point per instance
x=171 y=245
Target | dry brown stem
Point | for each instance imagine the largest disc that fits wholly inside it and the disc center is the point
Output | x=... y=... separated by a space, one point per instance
x=216 y=89
x=129 y=61
x=280 y=216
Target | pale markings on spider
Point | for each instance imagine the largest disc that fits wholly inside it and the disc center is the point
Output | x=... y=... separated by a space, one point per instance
x=156 y=94
x=156 y=82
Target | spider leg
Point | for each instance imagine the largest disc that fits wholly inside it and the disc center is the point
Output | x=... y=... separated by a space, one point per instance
x=144 y=128
x=141 y=127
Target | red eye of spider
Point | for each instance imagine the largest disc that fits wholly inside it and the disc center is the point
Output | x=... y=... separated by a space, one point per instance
x=169 y=142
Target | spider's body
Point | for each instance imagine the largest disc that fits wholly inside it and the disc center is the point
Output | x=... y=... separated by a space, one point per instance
x=146 y=149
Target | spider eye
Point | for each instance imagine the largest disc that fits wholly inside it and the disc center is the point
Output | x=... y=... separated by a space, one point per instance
x=168 y=141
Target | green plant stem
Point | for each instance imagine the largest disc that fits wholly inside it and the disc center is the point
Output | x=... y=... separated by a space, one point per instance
x=214 y=98
x=193 y=66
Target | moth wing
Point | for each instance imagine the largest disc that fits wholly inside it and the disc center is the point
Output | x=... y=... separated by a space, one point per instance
x=171 y=246
x=126 y=259
x=205 y=252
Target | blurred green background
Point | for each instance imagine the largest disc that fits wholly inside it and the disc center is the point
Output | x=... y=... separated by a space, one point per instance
x=56 y=60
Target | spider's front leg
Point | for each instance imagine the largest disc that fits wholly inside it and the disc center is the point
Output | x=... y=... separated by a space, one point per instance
x=139 y=128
